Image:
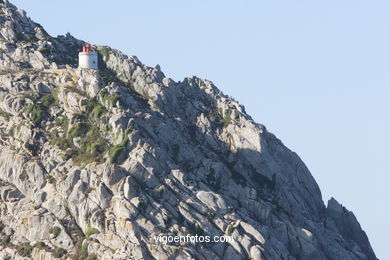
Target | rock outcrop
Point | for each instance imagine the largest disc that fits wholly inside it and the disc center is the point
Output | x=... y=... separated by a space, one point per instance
x=98 y=163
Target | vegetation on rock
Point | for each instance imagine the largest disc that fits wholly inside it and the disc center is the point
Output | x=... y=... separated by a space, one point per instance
x=55 y=231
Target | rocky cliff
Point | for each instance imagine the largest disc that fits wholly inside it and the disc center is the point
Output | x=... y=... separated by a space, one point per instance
x=94 y=164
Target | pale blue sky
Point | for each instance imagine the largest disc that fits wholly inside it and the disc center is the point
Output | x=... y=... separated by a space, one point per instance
x=316 y=73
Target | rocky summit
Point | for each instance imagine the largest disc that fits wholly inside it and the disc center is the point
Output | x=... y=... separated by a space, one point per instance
x=95 y=164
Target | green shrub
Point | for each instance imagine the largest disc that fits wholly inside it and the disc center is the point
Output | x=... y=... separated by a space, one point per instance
x=44 y=50
x=59 y=252
x=37 y=110
x=196 y=228
x=24 y=249
x=222 y=119
x=84 y=249
x=70 y=153
x=210 y=214
x=225 y=121
x=111 y=99
x=6 y=115
x=63 y=122
x=107 y=128
x=93 y=132
x=47 y=100
x=55 y=93
x=117 y=149
x=230 y=230
x=50 y=179
x=62 y=142
x=216 y=113
x=40 y=245
x=90 y=231
x=55 y=231
x=98 y=110
x=81 y=249
x=104 y=51
x=95 y=109
x=115 y=152
x=34 y=112
x=78 y=129
x=92 y=149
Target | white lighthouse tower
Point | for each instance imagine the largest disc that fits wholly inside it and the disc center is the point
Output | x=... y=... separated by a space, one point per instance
x=88 y=58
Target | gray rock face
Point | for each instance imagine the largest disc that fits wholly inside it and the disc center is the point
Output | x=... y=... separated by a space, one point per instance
x=100 y=163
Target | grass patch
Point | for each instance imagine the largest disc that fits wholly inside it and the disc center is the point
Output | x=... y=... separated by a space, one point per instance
x=117 y=149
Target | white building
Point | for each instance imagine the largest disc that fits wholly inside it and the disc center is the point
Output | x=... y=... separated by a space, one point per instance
x=88 y=58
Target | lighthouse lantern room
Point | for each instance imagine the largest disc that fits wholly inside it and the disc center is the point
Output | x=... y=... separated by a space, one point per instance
x=88 y=58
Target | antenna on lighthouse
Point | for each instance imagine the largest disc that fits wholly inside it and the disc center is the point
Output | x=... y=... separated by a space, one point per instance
x=87 y=47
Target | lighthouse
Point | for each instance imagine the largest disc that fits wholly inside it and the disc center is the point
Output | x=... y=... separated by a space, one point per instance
x=88 y=58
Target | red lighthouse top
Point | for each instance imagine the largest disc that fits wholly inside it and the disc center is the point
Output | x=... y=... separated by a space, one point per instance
x=87 y=47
